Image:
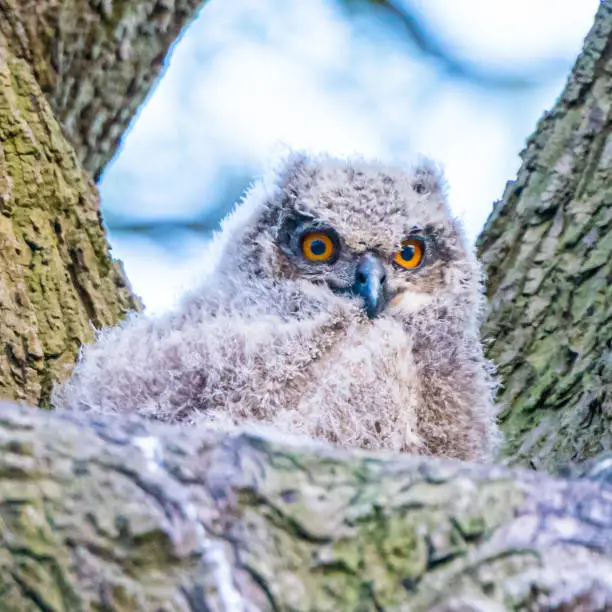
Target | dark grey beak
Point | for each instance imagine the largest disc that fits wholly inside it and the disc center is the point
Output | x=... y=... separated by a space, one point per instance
x=370 y=284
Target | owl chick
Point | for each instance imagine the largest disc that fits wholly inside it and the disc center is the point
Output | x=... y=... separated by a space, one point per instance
x=345 y=305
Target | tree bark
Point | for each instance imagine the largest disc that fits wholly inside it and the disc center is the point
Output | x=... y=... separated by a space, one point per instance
x=57 y=279
x=547 y=248
x=116 y=514
x=95 y=60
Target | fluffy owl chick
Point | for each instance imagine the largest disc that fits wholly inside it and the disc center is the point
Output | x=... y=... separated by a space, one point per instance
x=345 y=305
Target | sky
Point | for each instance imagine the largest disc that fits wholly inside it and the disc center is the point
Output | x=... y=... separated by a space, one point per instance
x=249 y=76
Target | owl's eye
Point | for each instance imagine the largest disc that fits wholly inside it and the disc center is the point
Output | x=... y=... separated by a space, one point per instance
x=318 y=246
x=411 y=254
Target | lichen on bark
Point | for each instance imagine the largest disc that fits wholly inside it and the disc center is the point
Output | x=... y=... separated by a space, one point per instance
x=75 y=69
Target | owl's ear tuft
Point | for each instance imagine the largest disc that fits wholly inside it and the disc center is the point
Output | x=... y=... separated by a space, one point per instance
x=291 y=178
x=292 y=171
x=428 y=177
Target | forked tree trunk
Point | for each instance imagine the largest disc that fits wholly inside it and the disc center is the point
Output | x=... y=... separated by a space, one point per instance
x=83 y=66
x=547 y=248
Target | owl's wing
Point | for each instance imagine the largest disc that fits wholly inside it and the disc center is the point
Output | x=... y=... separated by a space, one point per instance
x=174 y=368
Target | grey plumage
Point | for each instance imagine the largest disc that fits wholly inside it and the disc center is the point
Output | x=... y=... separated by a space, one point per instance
x=358 y=348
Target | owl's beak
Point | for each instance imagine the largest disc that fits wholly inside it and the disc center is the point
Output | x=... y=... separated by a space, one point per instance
x=370 y=284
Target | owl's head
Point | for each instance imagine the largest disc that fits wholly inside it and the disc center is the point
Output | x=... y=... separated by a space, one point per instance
x=373 y=233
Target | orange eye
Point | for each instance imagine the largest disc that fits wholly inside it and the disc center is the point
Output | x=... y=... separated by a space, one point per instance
x=411 y=253
x=317 y=246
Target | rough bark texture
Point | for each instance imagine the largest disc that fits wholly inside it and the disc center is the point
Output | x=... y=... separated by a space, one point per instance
x=547 y=248
x=95 y=60
x=122 y=515
x=56 y=276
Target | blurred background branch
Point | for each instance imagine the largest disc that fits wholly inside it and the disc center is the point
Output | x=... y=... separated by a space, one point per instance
x=429 y=41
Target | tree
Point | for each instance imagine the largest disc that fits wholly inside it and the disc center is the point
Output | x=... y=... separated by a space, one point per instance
x=547 y=248
x=116 y=514
x=70 y=72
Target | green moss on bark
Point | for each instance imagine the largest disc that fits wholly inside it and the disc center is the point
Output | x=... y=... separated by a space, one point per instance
x=57 y=279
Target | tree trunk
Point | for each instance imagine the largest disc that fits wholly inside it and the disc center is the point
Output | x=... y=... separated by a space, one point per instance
x=117 y=514
x=56 y=276
x=547 y=248
x=95 y=60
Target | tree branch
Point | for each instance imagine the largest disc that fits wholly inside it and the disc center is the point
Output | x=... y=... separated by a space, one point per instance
x=429 y=43
x=109 y=513
x=95 y=60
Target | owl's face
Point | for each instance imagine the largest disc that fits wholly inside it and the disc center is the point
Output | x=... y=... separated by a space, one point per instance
x=368 y=232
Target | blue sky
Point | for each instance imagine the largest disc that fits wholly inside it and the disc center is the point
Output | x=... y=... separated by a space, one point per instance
x=251 y=75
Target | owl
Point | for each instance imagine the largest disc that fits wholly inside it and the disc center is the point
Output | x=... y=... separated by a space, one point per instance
x=344 y=305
